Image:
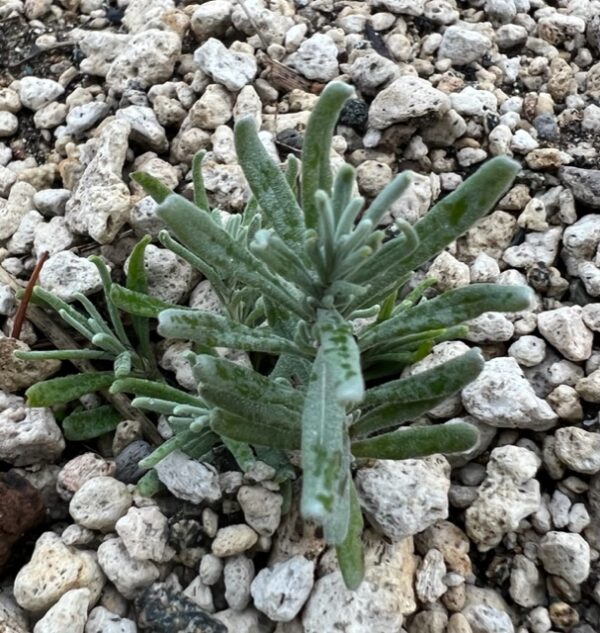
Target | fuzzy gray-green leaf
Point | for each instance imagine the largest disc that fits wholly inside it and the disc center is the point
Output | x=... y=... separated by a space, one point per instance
x=350 y=552
x=67 y=388
x=85 y=425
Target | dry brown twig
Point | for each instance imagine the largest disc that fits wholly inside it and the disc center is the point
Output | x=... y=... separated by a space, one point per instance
x=62 y=340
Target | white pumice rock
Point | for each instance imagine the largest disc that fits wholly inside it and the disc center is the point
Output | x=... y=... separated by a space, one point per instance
x=145 y=534
x=402 y=6
x=451 y=541
x=22 y=239
x=246 y=621
x=537 y=247
x=416 y=200
x=29 y=435
x=471 y=101
x=233 y=540
x=499 y=141
x=589 y=274
x=12 y=617
x=230 y=68
x=51 y=202
x=213 y=108
x=491 y=235
x=534 y=216
x=589 y=387
x=468 y=156
x=578 y=449
x=462 y=45
x=528 y=350
x=484 y=269
x=509 y=494
x=76 y=535
x=99 y=503
x=126 y=573
x=9 y=100
x=379 y=604
x=8 y=303
x=50 y=116
x=371 y=72
x=405 y=99
x=189 y=479
x=9 y=124
x=565 y=401
x=175 y=359
x=83 y=117
x=35 y=93
x=281 y=591
x=489 y=327
x=261 y=508
x=201 y=594
x=223 y=145
x=226 y=185
x=7 y=180
x=538 y=620
x=169 y=277
x=211 y=19
x=55 y=569
x=522 y=142
x=101 y=620
x=581 y=239
x=565 y=555
x=149 y=58
x=501 y=396
x=559 y=507
x=68 y=615
x=100 y=204
x=145 y=128
x=65 y=274
x=12 y=211
x=272 y=24
x=429 y=581
x=564 y=328
x=238 y=574
x=579 y=518
x=211 y=568
x=449 y=272
x=483 y=618
x=404 y=498
x=141 y=15
x=316 y=58
x=52 y=237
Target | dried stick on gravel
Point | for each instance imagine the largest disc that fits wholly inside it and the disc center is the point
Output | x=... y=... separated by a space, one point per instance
x=62 y=340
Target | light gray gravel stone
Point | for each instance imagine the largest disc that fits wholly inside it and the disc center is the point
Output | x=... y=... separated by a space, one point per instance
x=238 y=574
x=53 y=570
x=564 y=328
x=404 y=498
x=462 y=45
x=528 y=350
x=68 y=615
x=189 y=479
x=501 y=396
x=508 y=494
x=51 y=237
x=127 y=574
x=484 y=618
x=29 y=435
x=565 y=555
x=211 y=568
x=280 y=591
x=145 y=128
x=578 y=449
x=99 y=503
x=429 y=583
x=83 y=117
x=405 y=99
x=51 y=202
x=8 y=302
x=145 y=534
x=527 y=587
x=316 y=58
x=35 y=93
x=9 y=124
x=233 y=70
x=22 y=239
x=101 y=620
x=261 y=508
x=12 y=211
x=65 y=274
x=79 y=470
x=211 y=19
x=201 y=594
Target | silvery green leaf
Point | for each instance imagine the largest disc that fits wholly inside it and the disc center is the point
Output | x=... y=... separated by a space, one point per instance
x=151 y=389
x=418 y=441
x=349 y=552
x=218 y=331
x=63 y=354
x=66 y=388
x=268 y=184
x=443 y=380
x=87 y=424
x=138 y=303
x=316 y=148
x=137 y=281
x=151 y=185
x=451 y=308
x=200 y=197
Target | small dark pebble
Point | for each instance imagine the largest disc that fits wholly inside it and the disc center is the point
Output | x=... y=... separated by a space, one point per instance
x=128 y=459
x=354 y=114
x=162 y=609
x=290 y=138
x=546 y=127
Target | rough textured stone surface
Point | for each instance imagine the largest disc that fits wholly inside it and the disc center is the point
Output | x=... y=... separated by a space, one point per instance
x=145 y=533
x=18 y=374
x=405 y=497
x=101 y=620
x=564 y=328
x=188 y=479
x=100 y=204
x=584 y=183
x=578 y=449
x=238 y=573
x=68 y=615
x=502 y=396
x=79 y=470
x=233 y=539
x=565 y=555
x=508 y=494
x=233 y=70
x=316 y=58
x=99 y=503
x=281 y=591
x=261 y=508
x=65 y=274
x=53 y=570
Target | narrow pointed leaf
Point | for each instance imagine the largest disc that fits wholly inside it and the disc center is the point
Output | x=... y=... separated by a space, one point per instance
x=63 y=354
x=85 y=425
x=152 y=186
x=67 y=388
x=137 y=281
x=386 y=197
x=242 y=453
x=196 y=230
x=200 y=197
x=138 y=303
x=218 y=331
x=261 y=433
x=350 y=552
x=151 y=389
x=268 y=184
x=418 y=441
x=448 y=220
x=449 y=309
x=316 y=149
x=443 y=380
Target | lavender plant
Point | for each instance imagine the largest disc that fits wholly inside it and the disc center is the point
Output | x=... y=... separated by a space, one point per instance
x=306 y=279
